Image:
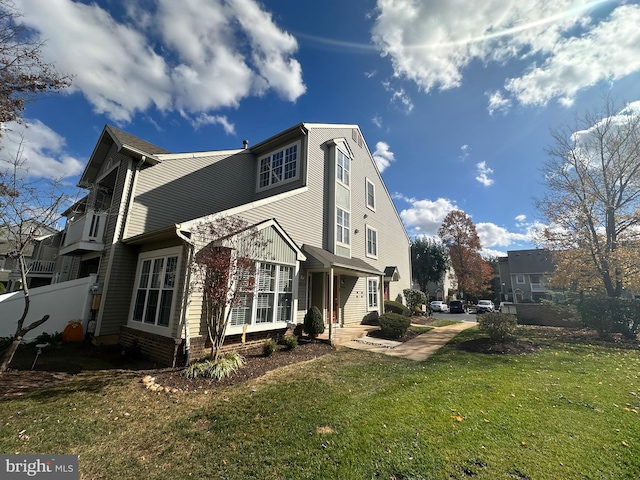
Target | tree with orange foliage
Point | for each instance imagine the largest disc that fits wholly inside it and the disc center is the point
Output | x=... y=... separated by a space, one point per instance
x=459 y=236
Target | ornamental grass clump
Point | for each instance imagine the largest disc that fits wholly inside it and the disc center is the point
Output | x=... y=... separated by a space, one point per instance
x=223 y=367
x=393 y=325
x=499 y=326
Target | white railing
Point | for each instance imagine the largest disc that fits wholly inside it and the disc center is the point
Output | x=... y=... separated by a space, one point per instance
x=40 y=266
x=87 y=228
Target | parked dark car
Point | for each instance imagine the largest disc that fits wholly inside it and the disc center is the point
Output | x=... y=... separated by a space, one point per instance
x=457 y=306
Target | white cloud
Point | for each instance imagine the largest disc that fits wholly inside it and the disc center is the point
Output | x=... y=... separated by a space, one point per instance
x=41 y=149
x=193 y=56
x=465 y=152
x=491 y=253
x=383 y=156
x=492 y=235
x=398 y=95
x=377 y=121
x=610 y=51
x=433 y=43
x=497 y=102
x=483 y=174
x=206 y=119
x=520 y=218
x=426 y=216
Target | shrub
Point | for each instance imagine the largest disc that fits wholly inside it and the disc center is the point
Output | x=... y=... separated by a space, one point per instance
x=269 y=347
x=394 y=325
x=396 y=307
x=226 y=364
x=313 y=323
x=499 y=326
x=298 y=330
x=611 y=315
x=414 y=298
x=289 y=342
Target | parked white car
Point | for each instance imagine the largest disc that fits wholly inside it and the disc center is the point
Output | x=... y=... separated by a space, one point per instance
x=484 y=306
x=439 y=306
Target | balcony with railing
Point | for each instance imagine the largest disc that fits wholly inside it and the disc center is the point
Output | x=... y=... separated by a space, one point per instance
x=40 y=267
x=84 y=233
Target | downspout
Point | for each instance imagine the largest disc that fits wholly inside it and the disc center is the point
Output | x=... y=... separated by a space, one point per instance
x=184 y=318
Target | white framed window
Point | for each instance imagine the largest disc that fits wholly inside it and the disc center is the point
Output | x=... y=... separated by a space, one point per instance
x=372 y=242
x=278 y=167
x=272 y=299
x=343 y=168
x=372 y=293
x=154 y=296
x=371 y=194
x=520 y=279
x=343 y=226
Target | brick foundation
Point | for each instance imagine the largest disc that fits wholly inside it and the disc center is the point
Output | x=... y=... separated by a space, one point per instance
x=164 y=350
x=170 y=351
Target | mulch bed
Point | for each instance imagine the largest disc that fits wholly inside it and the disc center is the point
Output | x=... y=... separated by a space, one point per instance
x=485 y=345
x=17 y=382
x=255 y=365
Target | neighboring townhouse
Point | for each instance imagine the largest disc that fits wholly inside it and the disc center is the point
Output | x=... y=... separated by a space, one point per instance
x=441 y=290
x=335 y=238
x=523 y=275
x=41 y=257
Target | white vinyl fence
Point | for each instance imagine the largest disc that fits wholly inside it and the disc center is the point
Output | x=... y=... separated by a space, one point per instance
x=63 y=302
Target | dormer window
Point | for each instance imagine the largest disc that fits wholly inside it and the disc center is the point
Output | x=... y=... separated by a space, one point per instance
x=278 y=167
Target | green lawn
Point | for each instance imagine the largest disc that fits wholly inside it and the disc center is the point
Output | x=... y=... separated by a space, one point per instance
x=569 y=411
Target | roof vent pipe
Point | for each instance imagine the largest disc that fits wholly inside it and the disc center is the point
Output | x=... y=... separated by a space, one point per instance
x=245 y=144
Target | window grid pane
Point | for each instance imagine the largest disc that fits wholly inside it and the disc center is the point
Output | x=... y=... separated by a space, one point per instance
x=278 y=167
x=373 y=293
x=154 y=296
x=291 y=155
x=372 y=242
x=371 y=195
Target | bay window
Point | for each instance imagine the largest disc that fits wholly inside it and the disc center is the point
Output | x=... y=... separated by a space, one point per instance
x=272 y=299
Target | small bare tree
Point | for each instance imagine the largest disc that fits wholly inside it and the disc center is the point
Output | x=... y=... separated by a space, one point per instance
x=223 y=270
x=28 y=209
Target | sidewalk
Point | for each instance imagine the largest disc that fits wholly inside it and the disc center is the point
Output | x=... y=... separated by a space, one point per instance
x=419 y=348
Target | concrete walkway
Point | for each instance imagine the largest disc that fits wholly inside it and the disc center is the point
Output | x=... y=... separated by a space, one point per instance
x=419 y=348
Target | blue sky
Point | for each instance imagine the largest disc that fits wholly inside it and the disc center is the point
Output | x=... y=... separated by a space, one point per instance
x=455 y=99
